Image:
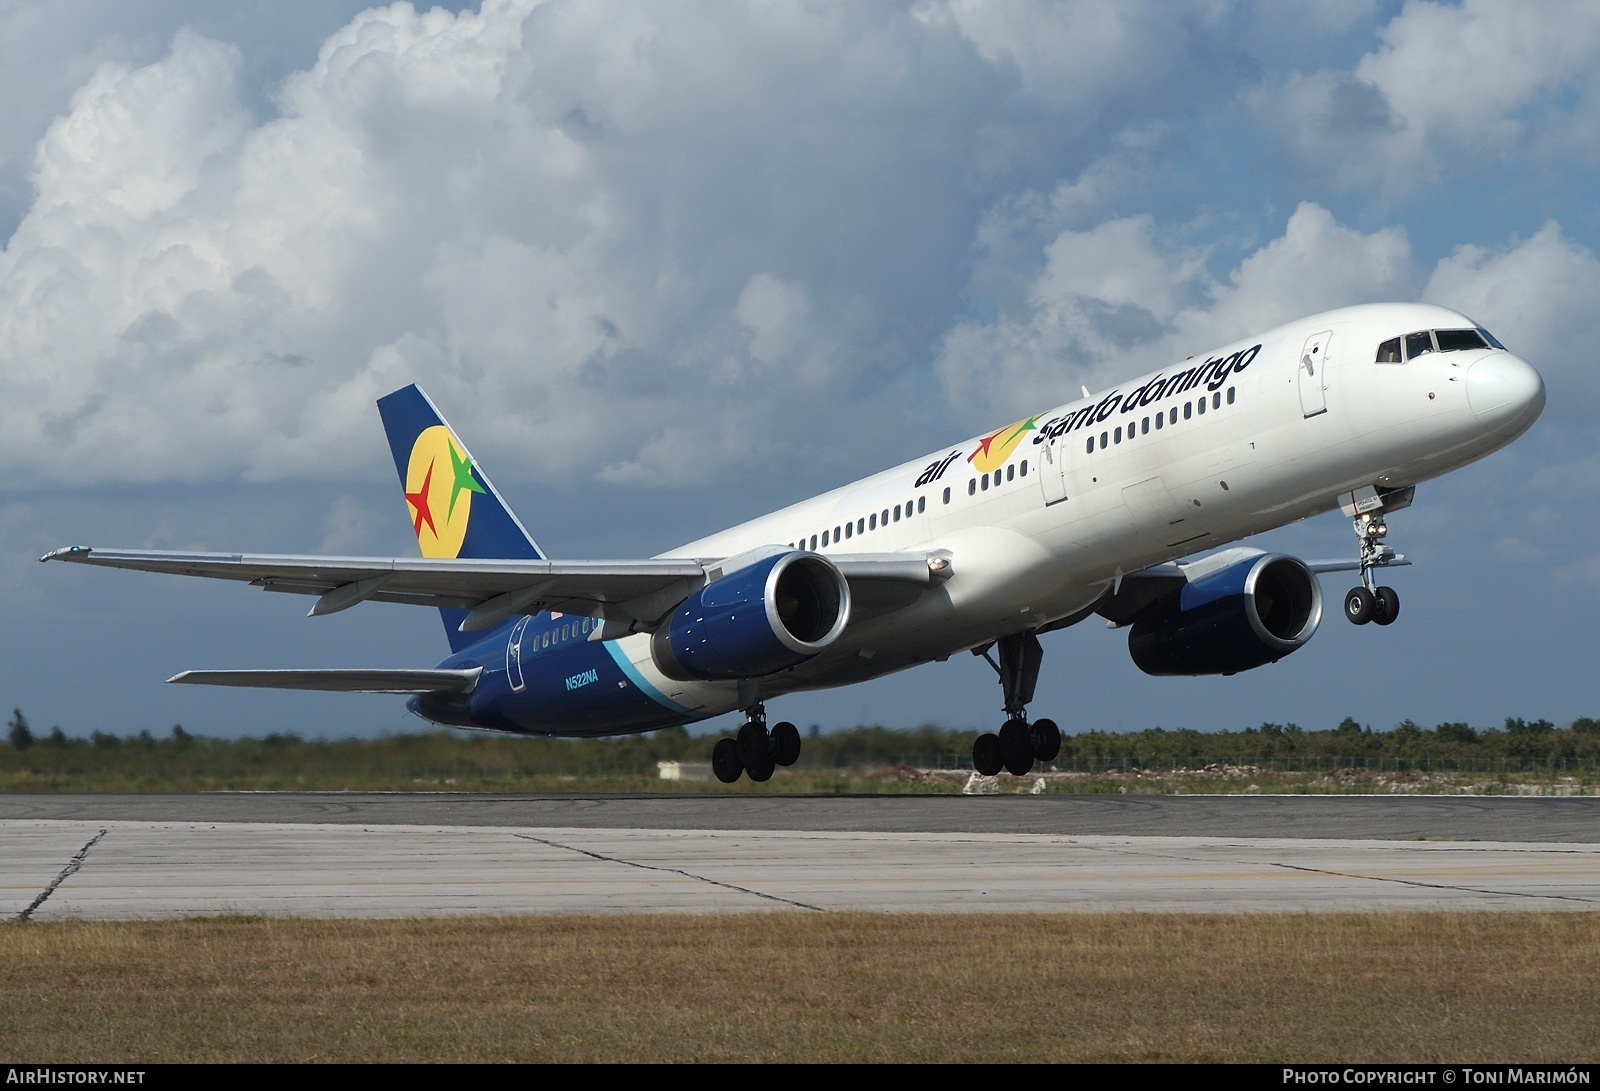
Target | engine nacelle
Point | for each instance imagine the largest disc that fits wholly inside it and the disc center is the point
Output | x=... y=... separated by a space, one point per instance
x=1245 y=615
x=755 y=621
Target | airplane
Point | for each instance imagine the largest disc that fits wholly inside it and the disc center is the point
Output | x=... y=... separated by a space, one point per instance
x=1101 y=506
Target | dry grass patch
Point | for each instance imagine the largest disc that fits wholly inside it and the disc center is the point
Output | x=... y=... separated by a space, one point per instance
x=780 y=986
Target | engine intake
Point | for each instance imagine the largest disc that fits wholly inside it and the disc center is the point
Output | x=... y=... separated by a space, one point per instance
x=755 y=621
x=1240 y=617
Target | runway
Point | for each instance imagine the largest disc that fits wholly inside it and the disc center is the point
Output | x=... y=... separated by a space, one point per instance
x=110 y=857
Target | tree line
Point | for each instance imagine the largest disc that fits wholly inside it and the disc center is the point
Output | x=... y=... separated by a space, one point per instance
x=1517 y=744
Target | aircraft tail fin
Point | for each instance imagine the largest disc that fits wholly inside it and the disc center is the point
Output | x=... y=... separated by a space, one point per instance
x=455 y=510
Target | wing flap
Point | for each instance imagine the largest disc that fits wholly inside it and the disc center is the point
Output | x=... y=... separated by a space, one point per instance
x=633 y=591
x=417 y=581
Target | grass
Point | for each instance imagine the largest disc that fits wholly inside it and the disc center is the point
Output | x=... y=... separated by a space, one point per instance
x=1460 y=988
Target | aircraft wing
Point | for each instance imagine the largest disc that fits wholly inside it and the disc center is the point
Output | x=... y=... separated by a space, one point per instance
x=626 y=591
x=341 y=681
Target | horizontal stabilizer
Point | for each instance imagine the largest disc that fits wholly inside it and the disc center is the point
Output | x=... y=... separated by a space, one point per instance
x=341 y=681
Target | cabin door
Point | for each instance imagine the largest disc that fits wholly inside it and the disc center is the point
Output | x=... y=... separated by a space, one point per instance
x=514 y=656
x=1053 y=470
x=1314 y=374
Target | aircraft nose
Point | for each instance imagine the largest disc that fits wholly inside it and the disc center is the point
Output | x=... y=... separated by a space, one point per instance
x=1505 y=393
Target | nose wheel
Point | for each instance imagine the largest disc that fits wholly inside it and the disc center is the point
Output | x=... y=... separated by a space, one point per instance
x=754 y=749
x=1380 y=604
x=1370 y=602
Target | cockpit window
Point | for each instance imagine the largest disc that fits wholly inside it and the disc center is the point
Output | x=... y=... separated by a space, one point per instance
x=1459 y=340
x=1418 y=343
x=1425 y=341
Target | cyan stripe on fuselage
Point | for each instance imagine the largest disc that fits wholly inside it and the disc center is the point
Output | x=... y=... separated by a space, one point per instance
x=572 y=686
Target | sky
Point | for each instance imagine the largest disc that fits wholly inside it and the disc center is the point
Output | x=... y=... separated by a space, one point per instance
x=670 y=266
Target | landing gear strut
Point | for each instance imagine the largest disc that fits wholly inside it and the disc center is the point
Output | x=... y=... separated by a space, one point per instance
x=754 y=749
x=1370 y=602
x=1019 y=744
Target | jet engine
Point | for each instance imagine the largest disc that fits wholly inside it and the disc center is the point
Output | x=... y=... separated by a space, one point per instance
x=1245 y=615
x=766 y=617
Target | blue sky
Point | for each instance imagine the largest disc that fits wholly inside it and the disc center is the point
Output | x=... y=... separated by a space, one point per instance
x=670 y=266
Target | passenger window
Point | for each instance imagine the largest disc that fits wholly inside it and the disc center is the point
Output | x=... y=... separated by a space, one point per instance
x=897 y=513
x=1011 y=472
x=1144 y=427
x=1188 y=410
x=885 y=519
x=824 y=537
x=1174 y=418
x=1088 y=448
x=813 y=541
x=1417 y=344
x=1459 y=340
x=946 y=497
x=849 y=530
x=985 y=482
x=1230 y=395
x=1216 y=400
x=972 y=487
x=1024 y=470
x=861 y=526
x=872 y=523
x=1160 y=417
x=922 y=501
x=1105 y=440
x=1389 y=351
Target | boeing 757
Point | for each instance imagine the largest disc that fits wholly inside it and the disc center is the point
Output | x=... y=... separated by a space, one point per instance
x=1107 y=505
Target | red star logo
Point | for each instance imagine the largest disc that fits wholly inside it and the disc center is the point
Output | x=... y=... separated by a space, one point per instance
x=419 y=500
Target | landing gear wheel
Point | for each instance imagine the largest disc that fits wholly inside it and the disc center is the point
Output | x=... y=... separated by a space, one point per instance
x=1387 y=601
x=1360 y=605
x=785 y=743
x=1046 y=740
x=763 y=772
x=725 y=760
x=754 y=747
x=1016 y=746
x=986 y=756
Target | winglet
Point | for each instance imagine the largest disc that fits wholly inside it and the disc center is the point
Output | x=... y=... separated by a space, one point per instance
x=67 y=553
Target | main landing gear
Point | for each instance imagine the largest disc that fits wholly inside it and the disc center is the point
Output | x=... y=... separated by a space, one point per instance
x=1370 y=602
x=754 y=749
x=1019 y=744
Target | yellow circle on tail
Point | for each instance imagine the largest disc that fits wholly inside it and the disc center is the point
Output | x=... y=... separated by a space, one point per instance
x=439 y=488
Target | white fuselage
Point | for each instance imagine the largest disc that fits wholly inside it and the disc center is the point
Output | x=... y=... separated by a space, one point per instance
x=1042 y=516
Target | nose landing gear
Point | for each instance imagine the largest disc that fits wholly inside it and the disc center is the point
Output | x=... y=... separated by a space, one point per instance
x=1018 y=744
x=754 y=749
x=1370 y=602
